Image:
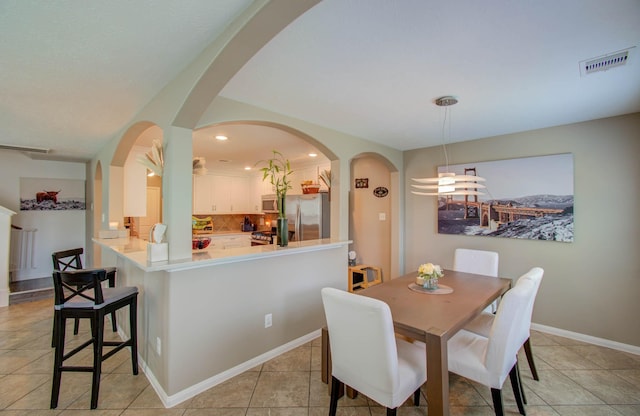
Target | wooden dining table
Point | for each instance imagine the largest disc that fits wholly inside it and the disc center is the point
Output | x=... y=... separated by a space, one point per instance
x=434 y=318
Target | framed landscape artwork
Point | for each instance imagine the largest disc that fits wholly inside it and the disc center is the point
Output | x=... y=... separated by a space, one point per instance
x=526 y=198
x=47 y=194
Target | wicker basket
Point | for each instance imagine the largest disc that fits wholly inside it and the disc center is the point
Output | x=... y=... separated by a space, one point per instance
x=310 y=189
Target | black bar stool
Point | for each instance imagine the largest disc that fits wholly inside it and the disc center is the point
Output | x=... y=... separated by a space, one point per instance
x=71 y=260
x=79 y=294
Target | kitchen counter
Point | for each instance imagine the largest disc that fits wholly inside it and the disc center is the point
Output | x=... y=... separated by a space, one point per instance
x=184 y=306
x=135 y=250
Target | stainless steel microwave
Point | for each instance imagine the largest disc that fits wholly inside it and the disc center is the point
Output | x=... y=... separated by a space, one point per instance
x=269 y=204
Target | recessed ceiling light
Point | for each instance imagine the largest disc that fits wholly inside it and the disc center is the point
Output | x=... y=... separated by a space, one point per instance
x=313 y=154
x=247 y=168
x=222 y=138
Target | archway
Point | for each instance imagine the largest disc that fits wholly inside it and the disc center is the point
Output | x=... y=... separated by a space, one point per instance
x=373 y=215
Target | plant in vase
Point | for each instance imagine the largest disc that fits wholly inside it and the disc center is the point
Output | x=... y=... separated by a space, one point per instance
x=428 y=275
x=277 y=171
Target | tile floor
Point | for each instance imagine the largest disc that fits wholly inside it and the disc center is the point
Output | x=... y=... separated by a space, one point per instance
x=576 y=379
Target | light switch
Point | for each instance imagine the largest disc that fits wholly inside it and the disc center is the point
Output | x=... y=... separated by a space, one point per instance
x=382 y=216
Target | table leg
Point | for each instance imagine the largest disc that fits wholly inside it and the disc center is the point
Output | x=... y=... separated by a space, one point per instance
x=437 y=376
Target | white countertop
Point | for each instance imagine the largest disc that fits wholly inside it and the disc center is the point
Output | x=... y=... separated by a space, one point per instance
x=135 y=250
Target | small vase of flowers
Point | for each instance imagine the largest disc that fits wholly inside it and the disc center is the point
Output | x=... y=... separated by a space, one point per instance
x=428 y=275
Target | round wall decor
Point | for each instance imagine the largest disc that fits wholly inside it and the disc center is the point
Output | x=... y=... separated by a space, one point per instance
x=381 y=192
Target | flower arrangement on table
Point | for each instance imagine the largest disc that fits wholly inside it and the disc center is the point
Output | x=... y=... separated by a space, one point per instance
x=428 y=275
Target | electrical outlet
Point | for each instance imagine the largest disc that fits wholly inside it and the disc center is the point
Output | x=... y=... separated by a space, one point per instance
x=382 y=216
x=267 y=320
x=158 y=346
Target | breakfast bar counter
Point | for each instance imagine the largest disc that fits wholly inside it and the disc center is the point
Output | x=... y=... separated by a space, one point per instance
x=208 y=318
x=135 y=250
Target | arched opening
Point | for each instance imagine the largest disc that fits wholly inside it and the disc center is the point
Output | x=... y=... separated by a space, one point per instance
x=141 y=192
x=372 y=212
x=228 y=185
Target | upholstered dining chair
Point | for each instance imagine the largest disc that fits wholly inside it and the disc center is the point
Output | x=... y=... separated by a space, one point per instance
x=478 y=262
x=365 y=353
x=489 y=360
x=482 y=324
x=79 y=294
x=71 y=260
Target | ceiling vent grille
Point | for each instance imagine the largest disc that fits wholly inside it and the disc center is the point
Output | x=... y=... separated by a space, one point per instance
x=604 y=63
x=24 y=148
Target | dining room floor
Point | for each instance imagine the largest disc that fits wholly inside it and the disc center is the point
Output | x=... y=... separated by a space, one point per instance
x=575 y=379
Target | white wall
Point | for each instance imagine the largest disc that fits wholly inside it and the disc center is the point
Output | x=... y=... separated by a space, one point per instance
x=57 y=230
x=591 y=286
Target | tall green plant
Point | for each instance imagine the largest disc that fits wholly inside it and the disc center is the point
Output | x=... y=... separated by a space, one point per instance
x=277 y=170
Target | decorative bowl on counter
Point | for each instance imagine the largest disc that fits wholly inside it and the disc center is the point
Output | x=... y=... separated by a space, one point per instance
x=200 y=243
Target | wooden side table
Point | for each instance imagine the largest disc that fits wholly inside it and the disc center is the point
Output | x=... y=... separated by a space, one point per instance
x=359 y=277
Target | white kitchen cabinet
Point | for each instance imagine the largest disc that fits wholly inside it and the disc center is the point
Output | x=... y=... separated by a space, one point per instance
x=135 y=184
x=203 y=194
x=230 y=241
x=221 y=194
x=239 y=194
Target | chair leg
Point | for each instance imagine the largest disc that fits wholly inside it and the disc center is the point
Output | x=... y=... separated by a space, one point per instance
x=58 y=340
x=524 y=397
x=133 y=325
x=391 y=412
x=517 y=388
x=496 y=394
x=529 y=354
x=97 y=329
x=112 y=283
x=335 y=388
x=76 y=326
x=416 y=397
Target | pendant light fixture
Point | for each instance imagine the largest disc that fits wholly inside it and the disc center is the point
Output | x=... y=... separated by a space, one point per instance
x=447 y=183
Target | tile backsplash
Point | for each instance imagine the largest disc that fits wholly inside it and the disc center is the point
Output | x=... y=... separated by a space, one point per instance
x=233 y=222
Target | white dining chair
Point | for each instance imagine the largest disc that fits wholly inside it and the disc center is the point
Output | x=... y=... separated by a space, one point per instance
x=481 y=325
x=478 y=262
x=488 y=360
x=365 y=354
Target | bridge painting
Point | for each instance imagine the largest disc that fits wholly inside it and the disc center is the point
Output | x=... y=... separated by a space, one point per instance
x=526 y=198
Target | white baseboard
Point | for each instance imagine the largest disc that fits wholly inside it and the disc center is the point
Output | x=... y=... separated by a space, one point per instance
x=587 y=338
x=4 y=297
x=175 y=399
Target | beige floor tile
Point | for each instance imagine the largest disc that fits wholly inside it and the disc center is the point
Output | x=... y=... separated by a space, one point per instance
x=281 y=389
x=563 y=358
x=464 y=393
x=232 y=393
x=149 y=399
x=607 y=386
x=117 y=391
x=606 y=357
x=278 y=411
x=153 y=412
x=632 y=376
x=557 y=389
x=627 y=410
x=601 y=410
x=15 y=386
x=12 y=360
x=298 y=359
x=216 y=412
x=30 y=412
x=471 y=411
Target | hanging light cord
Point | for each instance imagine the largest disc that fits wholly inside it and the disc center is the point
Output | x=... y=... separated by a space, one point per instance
x=444 y=146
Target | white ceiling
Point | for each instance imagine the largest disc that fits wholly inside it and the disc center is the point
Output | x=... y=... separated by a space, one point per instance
x=73 y=73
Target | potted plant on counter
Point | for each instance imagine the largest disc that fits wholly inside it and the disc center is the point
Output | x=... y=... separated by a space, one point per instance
x=277 y=171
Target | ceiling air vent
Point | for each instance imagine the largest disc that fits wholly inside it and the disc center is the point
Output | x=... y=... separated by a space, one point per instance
x=24 y=148
x=605 y=62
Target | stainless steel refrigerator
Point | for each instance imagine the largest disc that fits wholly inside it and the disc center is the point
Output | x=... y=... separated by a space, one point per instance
x=308 y=216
